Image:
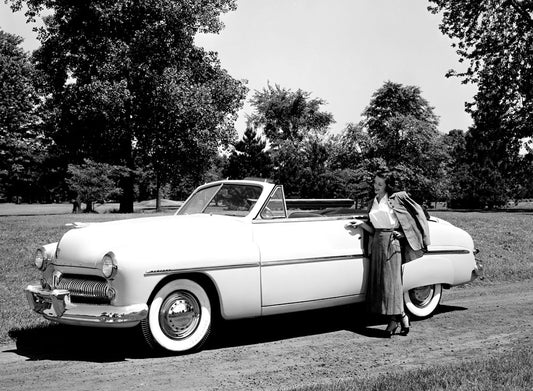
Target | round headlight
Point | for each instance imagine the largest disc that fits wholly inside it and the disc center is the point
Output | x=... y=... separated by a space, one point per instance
x=109 y=265
x=39 y=258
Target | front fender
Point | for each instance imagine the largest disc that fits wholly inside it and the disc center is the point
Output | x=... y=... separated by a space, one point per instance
x=232 y=267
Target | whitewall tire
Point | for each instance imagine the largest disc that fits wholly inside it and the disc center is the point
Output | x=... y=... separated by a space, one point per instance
x=423 y=301
x=180 y=317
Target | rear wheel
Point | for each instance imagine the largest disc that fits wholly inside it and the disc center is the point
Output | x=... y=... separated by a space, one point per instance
x=422 y=301
x=180 y=317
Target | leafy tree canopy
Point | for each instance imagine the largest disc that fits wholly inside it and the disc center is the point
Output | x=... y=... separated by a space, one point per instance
x=403 y=133
x=350 y=147
x=18 y=98
x=495 y=38
x=21 y=144
x=393 y=100
x=94 y=182
x=287 y=115
x=250 y=158
x=129 y=87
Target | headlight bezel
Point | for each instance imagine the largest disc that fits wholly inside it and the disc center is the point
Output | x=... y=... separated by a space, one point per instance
x=108 y=265
x=39 y=258
x=44 y=255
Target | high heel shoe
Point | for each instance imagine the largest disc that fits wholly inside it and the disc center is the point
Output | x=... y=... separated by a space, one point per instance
x=404 y=320
x=392 y=327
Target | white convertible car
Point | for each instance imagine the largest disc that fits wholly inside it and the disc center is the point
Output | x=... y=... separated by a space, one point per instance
x=232 y=250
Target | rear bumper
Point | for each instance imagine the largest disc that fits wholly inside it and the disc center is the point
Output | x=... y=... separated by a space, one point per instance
x=55 y=305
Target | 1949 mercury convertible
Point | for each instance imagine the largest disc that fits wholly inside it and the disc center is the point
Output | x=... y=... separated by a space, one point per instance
x=232 y=250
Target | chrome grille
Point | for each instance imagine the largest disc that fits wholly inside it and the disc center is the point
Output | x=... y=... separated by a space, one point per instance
x=97 y=289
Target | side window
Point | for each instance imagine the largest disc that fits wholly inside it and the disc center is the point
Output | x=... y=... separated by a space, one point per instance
x=275 y=207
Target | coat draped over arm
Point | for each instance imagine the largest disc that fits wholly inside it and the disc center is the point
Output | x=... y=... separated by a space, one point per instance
x=415 y=227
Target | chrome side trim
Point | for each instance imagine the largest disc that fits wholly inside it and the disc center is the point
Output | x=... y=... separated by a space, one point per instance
x=201 y=269
x=280 y=262
x=284 y=262
x=440 y=252
x=286 y=220
x=75 y=266
x=311 y=301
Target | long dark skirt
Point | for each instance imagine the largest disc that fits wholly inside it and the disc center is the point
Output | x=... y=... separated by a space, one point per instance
x=385 y=292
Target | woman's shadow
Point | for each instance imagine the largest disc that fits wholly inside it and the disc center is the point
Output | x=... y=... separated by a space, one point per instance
x=60 y=342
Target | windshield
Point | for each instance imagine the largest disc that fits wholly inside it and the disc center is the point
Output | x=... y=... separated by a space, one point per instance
x=226 y=199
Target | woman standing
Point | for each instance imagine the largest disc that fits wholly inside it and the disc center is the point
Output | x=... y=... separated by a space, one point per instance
x=391 y=217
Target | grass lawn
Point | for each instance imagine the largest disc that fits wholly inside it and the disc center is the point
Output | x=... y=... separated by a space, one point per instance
x=20 y=234
x=506 y=372
x=505 y=240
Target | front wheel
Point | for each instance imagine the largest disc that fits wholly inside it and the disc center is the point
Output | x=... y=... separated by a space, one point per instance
x=180 y=317
x=422 y=301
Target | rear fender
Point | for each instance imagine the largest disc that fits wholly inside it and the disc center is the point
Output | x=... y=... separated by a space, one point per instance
x=449 y=269
x=424 y=271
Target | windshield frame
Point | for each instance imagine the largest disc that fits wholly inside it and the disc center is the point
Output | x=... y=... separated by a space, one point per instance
x=189 y=207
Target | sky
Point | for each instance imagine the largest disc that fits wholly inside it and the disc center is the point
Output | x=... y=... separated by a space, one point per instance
x=341 y=51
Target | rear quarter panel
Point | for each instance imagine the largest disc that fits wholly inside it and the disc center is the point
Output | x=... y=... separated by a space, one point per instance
x=449 y=260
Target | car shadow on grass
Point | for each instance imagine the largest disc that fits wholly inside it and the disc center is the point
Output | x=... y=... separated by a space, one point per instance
x=59 y=342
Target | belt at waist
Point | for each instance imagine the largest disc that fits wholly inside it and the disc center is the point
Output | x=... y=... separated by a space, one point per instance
x=384 y=229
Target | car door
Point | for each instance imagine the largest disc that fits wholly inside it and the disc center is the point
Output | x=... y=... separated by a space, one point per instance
x=307 y=262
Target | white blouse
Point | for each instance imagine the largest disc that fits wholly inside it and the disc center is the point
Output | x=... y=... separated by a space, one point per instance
x=381 y=214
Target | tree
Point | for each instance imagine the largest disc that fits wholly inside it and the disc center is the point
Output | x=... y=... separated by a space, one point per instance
x=524 y=188
x=350 y=147
x=403 y=133
x=294 y=125
x=192 y=115
x=287 y=115
x=395 y=100
x=21 y=146
x=454 y=143
x=128 y=85
x=93 y=182
x=250 y=158
x=494 y=38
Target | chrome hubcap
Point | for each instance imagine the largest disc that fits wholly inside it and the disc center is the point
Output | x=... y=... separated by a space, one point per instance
x=179 y=315
x=421 y=296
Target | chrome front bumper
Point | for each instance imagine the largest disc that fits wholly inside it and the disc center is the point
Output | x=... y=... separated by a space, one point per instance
x=55 y=305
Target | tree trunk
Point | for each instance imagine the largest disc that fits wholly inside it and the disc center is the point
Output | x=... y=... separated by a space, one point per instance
x=127 y=198
x=89 y=206
x=157 y=194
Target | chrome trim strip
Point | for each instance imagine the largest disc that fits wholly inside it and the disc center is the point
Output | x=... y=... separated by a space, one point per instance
x=281 y=262
x=307 y=219
x=440 y=252
x=284 y=262
x=200 y=269
x=311 y=300
x=75 y=266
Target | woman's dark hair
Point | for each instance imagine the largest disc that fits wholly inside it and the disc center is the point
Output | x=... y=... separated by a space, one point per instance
x=391 y=183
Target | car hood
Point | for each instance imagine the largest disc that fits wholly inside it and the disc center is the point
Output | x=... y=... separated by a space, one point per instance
x=150 y=237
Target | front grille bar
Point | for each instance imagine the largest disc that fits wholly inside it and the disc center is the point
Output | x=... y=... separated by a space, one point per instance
x=84 y=288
